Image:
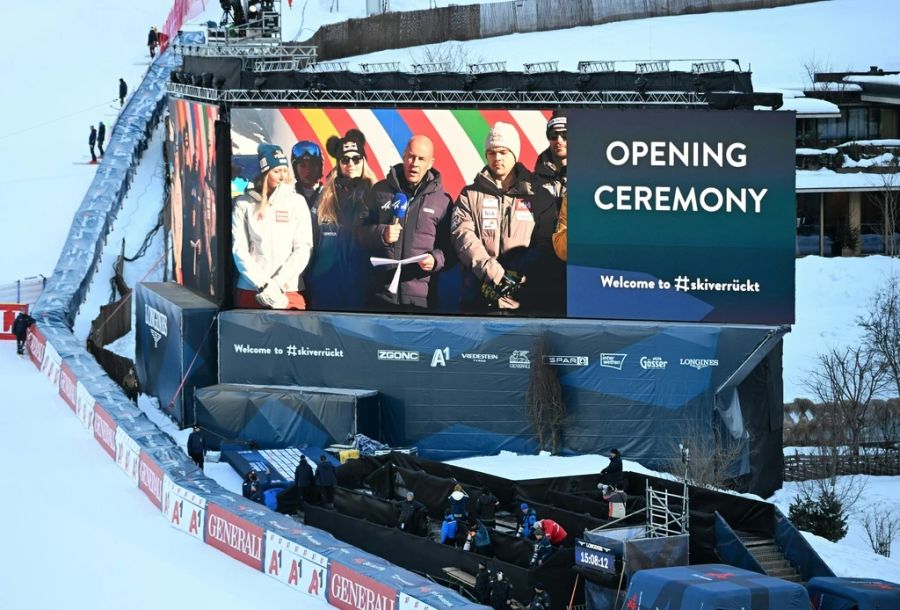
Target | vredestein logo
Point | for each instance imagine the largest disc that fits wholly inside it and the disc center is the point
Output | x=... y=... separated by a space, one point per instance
x=398 y=355
x=158 y=323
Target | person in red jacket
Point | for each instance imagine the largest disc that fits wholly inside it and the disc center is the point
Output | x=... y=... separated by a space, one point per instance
x=553 y=530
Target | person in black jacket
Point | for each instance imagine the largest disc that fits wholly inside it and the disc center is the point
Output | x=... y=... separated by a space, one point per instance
x=20 y=329
x=612 y=474
x=196 y=447
x=101 y=137
x=123 y=91
x=486 y=508
x=424 y=229
x=500 y=592
x=252 y=489
x=92 y=141
x=413 y=516
x=153 y=41
x=482 y=584
x=304 y=479
x=541 y=599
x=325 y=481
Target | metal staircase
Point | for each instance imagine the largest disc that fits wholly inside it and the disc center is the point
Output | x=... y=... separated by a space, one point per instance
x=770 y=557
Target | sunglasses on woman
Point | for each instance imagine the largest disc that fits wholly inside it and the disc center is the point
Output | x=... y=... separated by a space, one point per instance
x=552 y=135
x=351 y=159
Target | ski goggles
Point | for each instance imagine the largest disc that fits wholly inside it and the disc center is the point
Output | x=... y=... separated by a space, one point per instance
x=306 y=149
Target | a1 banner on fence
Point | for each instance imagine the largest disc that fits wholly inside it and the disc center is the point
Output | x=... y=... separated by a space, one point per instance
x=84 y=406
x=8 y=313
x=105 y=430
x=234 y=536
x=51 y=364
x=350 y=590
x=128 y=454
x=68 y=387
x=150 y=479
x=300 y=568
x=183 y=509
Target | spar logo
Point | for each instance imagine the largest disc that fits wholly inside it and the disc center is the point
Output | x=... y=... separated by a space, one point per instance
x=352 y=591
x=699 y=363
x=613 y=361
x=567 y=360
x=398 y=355
x=158 y=323
x=654 y=363
x=234 y=536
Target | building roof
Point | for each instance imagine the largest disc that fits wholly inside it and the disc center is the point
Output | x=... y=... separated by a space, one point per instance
x=827 y=181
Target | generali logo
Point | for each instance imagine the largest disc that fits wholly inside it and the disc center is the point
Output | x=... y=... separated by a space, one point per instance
x=150 y=480
x=8 y=313
x=234 y=536
x=352 y=591
x=158 y=323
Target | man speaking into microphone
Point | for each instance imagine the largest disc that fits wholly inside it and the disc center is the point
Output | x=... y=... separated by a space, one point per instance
x=413 y=219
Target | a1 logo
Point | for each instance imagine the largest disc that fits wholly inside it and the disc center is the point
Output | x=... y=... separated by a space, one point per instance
x=440 y=358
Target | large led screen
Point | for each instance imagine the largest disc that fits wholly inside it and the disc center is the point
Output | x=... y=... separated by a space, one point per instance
x=468 y=212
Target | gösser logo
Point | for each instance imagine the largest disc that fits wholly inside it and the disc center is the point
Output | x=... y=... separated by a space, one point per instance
x=398 y=355
x=613 y=361
x=567 y=360
x=699 y=363
x=653 y=363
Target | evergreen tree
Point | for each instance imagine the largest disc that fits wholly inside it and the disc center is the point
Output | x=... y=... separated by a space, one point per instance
x=823 y=516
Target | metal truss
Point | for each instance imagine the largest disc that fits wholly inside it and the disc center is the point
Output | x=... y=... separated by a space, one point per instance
x=440 y=98
x=268 y=51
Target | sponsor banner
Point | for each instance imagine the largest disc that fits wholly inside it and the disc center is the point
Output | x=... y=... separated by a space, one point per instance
x=8 y=313
x=183 y=509
x=128 y=454
x=613 y=361
x=688 y=218
x=234 y=536
x=653 y=363
x=84 y=406
x=567 y=360
x=398 y=355
x=296 y=566
x=51 y=363
x=408 y=602
x=35 y=345
x=105 y=430
x=150 y=479
x=352 y=591
x=68 y=387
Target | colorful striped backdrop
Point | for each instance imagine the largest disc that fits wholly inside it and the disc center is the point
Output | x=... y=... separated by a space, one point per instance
x=458 y=135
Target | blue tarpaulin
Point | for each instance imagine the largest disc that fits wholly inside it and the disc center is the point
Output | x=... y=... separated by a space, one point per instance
x=712 y=586
x=827 y=593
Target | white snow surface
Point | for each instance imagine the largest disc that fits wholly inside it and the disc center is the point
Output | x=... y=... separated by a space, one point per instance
x=103 y=541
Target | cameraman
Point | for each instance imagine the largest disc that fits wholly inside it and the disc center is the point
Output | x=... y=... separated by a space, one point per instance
x=492 y=225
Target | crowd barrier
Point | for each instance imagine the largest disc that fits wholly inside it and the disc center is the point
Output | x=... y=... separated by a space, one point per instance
x=306 y=559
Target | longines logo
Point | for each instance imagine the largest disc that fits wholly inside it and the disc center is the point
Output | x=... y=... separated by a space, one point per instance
x=398 y=355
x=613 y=361
x=699 y=363
x=156 y=320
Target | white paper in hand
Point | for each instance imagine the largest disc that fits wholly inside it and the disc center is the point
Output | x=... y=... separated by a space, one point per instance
x=384 y=262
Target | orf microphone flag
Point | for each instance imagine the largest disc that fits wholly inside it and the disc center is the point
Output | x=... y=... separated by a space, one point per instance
x=398 y=207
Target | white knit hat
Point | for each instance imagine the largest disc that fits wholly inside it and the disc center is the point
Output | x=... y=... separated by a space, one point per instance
x=503 y=135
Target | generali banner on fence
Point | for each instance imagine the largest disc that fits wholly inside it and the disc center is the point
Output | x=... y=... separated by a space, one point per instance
x=183 y=509
x=237 y=538
x=68 y=387
x=128 y=454
x=350 y=590
x=297 y=567
x=8 y=313
x=150 y=479
x=105 y=430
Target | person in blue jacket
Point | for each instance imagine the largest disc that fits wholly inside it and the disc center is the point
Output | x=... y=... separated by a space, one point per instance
x=527 y=521
x=449 y=528
x=325 y=481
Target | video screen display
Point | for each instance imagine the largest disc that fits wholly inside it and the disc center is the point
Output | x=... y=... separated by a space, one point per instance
x=192 y=210
x=676 y=215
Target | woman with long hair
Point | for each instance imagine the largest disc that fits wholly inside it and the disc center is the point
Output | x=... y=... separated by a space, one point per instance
x=341 y=273
x=272 y=240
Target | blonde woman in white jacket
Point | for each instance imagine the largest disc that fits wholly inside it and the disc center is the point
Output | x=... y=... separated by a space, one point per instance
x=271 y=234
